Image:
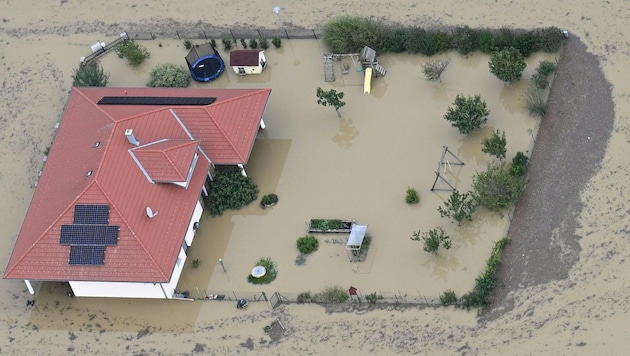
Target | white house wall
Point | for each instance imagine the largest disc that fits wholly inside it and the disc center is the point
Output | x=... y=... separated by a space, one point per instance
x=170 y=287
x=117 y=289
x=190 y=234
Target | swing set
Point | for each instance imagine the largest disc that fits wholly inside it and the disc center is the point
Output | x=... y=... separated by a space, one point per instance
x=443 y=165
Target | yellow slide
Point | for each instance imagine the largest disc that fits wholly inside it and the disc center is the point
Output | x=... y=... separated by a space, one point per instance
x=367 y=82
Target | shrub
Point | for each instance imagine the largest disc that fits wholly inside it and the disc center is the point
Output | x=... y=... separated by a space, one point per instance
x=277 y=42
x=540 y=81
x=415 y=40
x=448 y=298
x=496 y=189
x=467 y=114
x=243 y=43
x=187 y=44
x=486 y=41
x=333 y=294
x=495 y=145
x=227 y=44
x=459 y=207
x=169 y=76
x=526 y=43
x=550 y=39
x=435 y=42
x=486 y=281
x=349 y=34
x=433 y=239
x=535 y=101
x=545 y=68
x=231 y=190
x=264 y=43
x=270 y=272
x=464 y=39
x=268 y=199
x=412 y=196
x=307 y=244
x=130 y=49
x=195 y=263
x=372 y=298
x=519 y=164
x=504 y=39
x=304 y=297
x=433 y=69
x=253 y=44
x=90 y=75
x=396 y=41
x=507 y=64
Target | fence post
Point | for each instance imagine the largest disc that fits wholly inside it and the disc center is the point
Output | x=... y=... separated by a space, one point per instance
x=259 y=35
x=314 y=35
x=235 y=297
x=232 y=33
x=264 y=296
x=177 y=32
x=286 y=33
x=204 y=34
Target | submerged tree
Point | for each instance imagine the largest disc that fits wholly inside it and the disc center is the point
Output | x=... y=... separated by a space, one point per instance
x=330 y=98
x=433 y=239
x=495 y=145
x=433 y=69
x=459 y=207
x=90 y=74
x=467 y=114
x=507 y=64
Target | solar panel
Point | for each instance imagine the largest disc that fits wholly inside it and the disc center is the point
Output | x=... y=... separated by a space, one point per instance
x=91 y=214
x=88 y=235
x=87 y=255
x=155 y=100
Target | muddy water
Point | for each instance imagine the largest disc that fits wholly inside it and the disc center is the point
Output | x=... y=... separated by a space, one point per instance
x=586 y=314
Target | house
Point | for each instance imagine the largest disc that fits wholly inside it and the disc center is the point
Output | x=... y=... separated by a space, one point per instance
x=119 y=198
x=248 y=61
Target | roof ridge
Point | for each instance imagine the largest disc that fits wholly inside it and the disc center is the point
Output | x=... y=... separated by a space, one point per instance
x=142 y=114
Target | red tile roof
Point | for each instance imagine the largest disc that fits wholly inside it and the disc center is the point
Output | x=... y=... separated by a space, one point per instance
x=91 y=162
x=245 y=57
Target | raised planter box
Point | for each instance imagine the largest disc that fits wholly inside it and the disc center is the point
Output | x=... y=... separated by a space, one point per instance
x=329 y=225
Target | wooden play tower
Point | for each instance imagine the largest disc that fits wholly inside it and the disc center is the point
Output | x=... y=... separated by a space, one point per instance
x=367 y=57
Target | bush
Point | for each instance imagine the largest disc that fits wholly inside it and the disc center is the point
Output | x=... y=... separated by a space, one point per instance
x=307 y=244
x=253 y=44
x=519 y=164
x=486 y=281
x=412 y=196
x=169 y=76
x=504 y=39
x=495 y=145
x=187 y=44
x=227 y=44
x=496 y=189
x=507 y=64
x=333 y=294
x=486 y=41
x=433 y=69
x=372 y=298
x=396 y=41
x=535 y=101
x=304 y=297
x=448 y=298
x=277 y=42
x=540 y=81
x=264 y=43
x=467 y=114
x=270 y=272
x=415 y=40
x=545 y=68
x=433 y=239
x=349 y=34
x=459 y=207
x=90 y=75
x=195 y=263
x=464 y=39
x=435 y=42
x=130 y=49
x=243 y=43
x=550 y=39
x=231 y=190
x=526 y=43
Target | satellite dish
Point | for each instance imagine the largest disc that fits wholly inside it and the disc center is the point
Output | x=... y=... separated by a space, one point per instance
x=150 y=212
x=276 y=9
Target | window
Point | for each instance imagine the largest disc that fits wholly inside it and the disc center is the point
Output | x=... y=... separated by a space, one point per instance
x=241 y=70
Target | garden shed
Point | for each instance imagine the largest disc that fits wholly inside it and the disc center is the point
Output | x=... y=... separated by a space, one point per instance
x=205 y=62
x=355 y=241
x=248 y=61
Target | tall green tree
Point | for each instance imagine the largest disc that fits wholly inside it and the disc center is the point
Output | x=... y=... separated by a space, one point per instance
x=90 y=74
x=496 y=189
x=507 y=65
x=331 y=98
x=495 y=145
x=467 y=114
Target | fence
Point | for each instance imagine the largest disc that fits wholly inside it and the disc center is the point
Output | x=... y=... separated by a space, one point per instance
x=208 y=33
x=378 y=297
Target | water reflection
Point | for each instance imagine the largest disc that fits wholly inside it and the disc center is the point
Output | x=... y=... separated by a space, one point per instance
x=441 y=265
x=347 y=133
x=511 y=96
x=470 y=146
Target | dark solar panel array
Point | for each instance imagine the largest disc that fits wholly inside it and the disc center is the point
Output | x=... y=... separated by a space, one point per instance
x=91 y=214
x=89 y=234
x=87 y=255
x=155 y=100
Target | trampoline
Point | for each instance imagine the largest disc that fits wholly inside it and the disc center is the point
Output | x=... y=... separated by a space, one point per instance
x=205 y=63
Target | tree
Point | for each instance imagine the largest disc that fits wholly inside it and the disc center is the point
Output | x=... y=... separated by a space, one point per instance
x=330 y=98
x=169 y=76
x=507 y=64
x=467 y=114
x=90 y=74
x=495 y=144
x=496 y=189
x=433 y=239
x=459 y=207
x=433 y=69
x=135 y=53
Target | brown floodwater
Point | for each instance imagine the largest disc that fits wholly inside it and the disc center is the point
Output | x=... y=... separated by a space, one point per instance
x=356 y=167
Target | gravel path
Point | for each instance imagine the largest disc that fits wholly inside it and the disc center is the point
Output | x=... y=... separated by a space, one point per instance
x=571 y=143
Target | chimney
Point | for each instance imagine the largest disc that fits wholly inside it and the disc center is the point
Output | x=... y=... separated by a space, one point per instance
x=131 y=138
